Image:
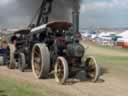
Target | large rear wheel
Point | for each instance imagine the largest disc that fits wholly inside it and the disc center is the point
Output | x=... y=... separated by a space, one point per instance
x=92 y=69
x=40 y=61
x=10 y=56
x=61 y=70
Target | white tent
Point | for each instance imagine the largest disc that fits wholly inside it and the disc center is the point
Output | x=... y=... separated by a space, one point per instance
x=85 y=34
x=123 y=41
x=105 y=36
x=104 y=39
x=123 y=34
x=124 y=37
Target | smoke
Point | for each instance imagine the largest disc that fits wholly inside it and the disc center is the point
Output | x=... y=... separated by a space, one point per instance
x=62 y=9
x=20 y=12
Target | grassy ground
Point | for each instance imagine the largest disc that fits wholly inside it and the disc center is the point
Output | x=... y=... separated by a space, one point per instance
x=108 y=54
x=115 y=60
x=9 y=87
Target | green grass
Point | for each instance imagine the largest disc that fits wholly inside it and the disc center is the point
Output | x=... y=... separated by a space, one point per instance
x=9 y=87
x=115 y=66
x=113 y=59
x=112 y=48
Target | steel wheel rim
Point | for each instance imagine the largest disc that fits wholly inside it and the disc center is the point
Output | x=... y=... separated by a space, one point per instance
x=20 y=62
x=59 y=70
x=37 y=60
x=91 y=68
x=8 y=56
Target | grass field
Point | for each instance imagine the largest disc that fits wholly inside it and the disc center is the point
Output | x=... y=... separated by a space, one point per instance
x=113 y=59
x=10 y=87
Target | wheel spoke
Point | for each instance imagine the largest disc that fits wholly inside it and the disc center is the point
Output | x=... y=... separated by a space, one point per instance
x=37 y=61
x=60 y=70
x=91 y=68
x=36 y=53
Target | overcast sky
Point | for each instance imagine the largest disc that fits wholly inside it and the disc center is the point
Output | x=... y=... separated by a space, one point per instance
x=15 y=13
x=94 y=13
x=104 y=13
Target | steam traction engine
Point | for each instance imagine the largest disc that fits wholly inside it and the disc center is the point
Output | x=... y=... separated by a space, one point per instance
x=18 y=50
x=53 y=47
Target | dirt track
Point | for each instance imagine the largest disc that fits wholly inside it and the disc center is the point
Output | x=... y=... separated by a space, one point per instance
x=114 y=85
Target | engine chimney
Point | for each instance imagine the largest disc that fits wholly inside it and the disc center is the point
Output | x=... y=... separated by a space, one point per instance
x=75 y=16
x=75 y=21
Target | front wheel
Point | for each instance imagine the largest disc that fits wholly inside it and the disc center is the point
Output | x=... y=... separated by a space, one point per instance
x=92 y=69
x=61 y=70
